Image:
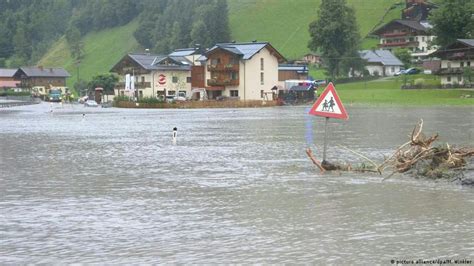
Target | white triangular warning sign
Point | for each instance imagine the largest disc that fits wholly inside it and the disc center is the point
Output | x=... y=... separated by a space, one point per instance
x=329 y=104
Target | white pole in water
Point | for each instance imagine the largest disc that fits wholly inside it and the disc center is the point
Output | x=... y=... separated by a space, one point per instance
x=175 y=134
x=51 y=107
x=325 y=138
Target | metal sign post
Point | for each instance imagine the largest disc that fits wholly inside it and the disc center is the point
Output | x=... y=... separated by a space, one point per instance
x=325 y=138
x=328 y=105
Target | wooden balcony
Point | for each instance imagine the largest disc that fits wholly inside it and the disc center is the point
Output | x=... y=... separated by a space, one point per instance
x=401 y=44
x=452 y=71
x=223 y=67
x=222 y=82
x=394 y=34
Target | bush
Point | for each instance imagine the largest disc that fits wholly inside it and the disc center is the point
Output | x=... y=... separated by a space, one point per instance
x=15 y=93
x=419 y=82
x=150 y=100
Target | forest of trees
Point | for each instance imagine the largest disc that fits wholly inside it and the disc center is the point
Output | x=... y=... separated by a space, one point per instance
x=29 y=28
x=169 y=24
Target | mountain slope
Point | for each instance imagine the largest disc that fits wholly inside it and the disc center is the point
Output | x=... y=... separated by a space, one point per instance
x=103 y=49
x=284 y=23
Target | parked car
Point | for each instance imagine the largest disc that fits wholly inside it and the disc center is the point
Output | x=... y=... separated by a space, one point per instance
x=319 y=82
x=412 y=71
x=91 y=103
x=401 y=72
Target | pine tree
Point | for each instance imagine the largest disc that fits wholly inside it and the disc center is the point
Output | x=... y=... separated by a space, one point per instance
x=336 y=36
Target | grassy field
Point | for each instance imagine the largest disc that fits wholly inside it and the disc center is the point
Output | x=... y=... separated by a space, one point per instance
x=285 y=22
x=388 y=92
x=102 y=49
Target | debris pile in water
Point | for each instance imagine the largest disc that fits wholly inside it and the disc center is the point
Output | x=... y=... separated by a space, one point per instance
x=417 y=157
x=420 y=158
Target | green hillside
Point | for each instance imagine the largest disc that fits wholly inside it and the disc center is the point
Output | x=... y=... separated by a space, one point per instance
x=102 y=50
x=284 y=23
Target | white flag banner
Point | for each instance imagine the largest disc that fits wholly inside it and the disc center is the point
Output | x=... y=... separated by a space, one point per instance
x=132 y=83
x=127 y=82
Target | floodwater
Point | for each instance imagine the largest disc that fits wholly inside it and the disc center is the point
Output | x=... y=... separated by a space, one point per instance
x=110 y=186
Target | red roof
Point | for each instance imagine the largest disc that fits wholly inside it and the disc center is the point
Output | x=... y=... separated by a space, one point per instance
x=9 y=83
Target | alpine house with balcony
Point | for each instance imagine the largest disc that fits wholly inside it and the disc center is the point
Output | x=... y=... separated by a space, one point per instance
x=457 y=61
x=410 y=34
x=243 y=71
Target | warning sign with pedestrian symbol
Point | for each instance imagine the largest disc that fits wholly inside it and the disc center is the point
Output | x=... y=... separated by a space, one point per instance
x=329 y=105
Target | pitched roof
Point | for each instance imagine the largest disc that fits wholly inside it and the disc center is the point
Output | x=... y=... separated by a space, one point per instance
x=44 y=72
x=460 y=48
x=152 y=62
x=176 y=60
x=245 y=50
x=146 y=61
x=383 y=57
x=413 y=24
x=469 y=42
x=7 y=72
x=184 y=52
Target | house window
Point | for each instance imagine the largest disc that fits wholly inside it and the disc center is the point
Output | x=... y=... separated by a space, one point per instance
x=261 y=64
x=448 y=78
x=468 y=63
x=234 y=61
x=234 y=93
x=143 y=79
x=175 y=79
x=141 y=94
x=171 y=93
x=449 y=64
x=393 y=69
x=188 y=79
x=261 y=93
x=215 y=61
x=462 y=64
x=234 y=75
x=122 y=93
x=261 y=78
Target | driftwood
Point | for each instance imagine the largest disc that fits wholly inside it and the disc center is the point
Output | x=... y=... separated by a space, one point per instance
x=422 y=159
x=417 y=156
x=315 y=161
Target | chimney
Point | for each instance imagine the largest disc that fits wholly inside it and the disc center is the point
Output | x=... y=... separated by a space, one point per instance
x=40 y=67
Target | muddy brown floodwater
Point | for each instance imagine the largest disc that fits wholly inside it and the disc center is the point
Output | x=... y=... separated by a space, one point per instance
x=237 y=187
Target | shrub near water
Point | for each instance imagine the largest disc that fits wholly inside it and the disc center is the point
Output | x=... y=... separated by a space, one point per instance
x=15 y=93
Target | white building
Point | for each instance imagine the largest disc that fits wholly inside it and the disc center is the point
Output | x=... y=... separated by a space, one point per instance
x=410 y=34
x=245 y=71
x=381 y=62
x=154 y=75
x=455 y=59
